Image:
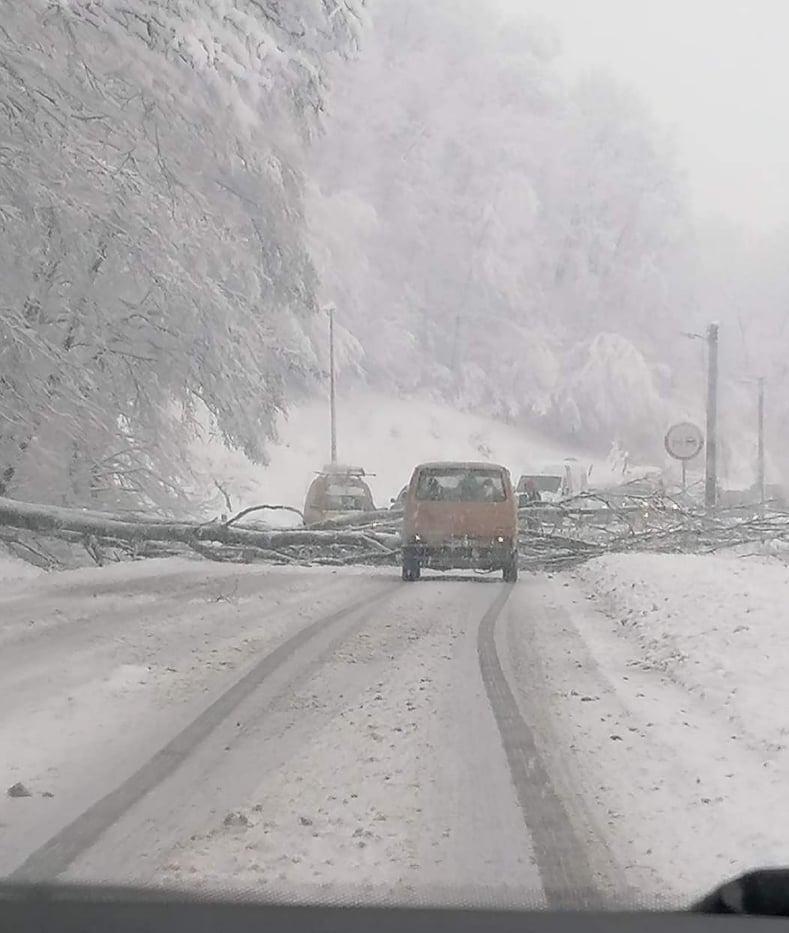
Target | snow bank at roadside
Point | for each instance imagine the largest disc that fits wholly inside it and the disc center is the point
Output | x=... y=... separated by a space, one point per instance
x=716 y=625
x=13 y=570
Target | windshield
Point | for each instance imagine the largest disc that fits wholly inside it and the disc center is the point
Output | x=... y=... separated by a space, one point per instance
x=292 y=292
x=457 y=484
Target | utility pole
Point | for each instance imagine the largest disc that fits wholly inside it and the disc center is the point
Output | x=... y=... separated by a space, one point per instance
x=760 y=445
x=332 y=400
x=711 y=472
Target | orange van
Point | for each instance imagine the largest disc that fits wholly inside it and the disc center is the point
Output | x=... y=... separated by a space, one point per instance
x=460 y=515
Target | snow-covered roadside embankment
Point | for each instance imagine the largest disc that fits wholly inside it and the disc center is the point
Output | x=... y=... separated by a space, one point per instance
x=717 y=625
x=13 y=570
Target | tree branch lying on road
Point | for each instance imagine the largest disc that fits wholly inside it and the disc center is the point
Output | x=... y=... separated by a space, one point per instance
x=551 y=536
x=61 y=522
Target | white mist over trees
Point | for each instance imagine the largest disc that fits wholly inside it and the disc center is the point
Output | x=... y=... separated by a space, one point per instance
x=742 y=280
x=491 y=234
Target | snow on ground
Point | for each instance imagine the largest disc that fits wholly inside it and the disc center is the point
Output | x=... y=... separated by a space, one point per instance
x=653 y=686
x=99 y=666
x=403 y=792
x=13 y=570
x=384 y=435
x=696 y=648
x=718 y=626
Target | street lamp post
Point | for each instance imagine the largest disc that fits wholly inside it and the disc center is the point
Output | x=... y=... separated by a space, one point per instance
x=760 y=443
x=332 y=393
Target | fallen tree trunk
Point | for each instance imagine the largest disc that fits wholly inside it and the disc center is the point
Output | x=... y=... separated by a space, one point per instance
x=383 y=517
x=570 y=536
x=50 y=519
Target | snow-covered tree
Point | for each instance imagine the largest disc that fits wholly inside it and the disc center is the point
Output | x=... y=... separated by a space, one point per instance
x=151 y=232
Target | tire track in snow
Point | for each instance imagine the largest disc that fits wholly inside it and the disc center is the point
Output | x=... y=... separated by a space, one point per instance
x=57 y=854
x=561 y=857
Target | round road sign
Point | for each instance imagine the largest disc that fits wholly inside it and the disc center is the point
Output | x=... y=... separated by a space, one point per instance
x=684 y=441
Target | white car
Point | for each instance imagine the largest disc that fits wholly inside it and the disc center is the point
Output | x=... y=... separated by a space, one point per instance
x=555 y=482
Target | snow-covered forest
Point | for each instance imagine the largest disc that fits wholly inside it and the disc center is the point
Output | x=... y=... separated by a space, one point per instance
x=183 y=185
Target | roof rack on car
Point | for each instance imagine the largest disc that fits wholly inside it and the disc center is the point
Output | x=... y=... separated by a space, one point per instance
x=343 y=470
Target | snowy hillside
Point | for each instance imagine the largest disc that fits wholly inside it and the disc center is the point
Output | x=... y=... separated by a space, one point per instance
x=385 y=435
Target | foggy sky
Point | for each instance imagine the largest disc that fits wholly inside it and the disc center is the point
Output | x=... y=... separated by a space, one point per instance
x=715 y=71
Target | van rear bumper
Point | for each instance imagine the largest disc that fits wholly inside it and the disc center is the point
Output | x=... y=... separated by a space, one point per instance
x=460 y=555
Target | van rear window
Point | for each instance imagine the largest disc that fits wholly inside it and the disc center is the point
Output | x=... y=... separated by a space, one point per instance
x=345 y=503
x=455 y=484
x=342 y=497
x=336 y=490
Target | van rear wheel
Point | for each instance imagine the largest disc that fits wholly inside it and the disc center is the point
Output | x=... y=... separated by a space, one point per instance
x=510 y=572
x=411 y=569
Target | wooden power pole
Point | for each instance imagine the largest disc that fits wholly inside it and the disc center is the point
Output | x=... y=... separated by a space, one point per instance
x=711 y=472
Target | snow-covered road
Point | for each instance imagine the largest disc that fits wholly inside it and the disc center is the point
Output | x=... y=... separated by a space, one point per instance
x=328 y=734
